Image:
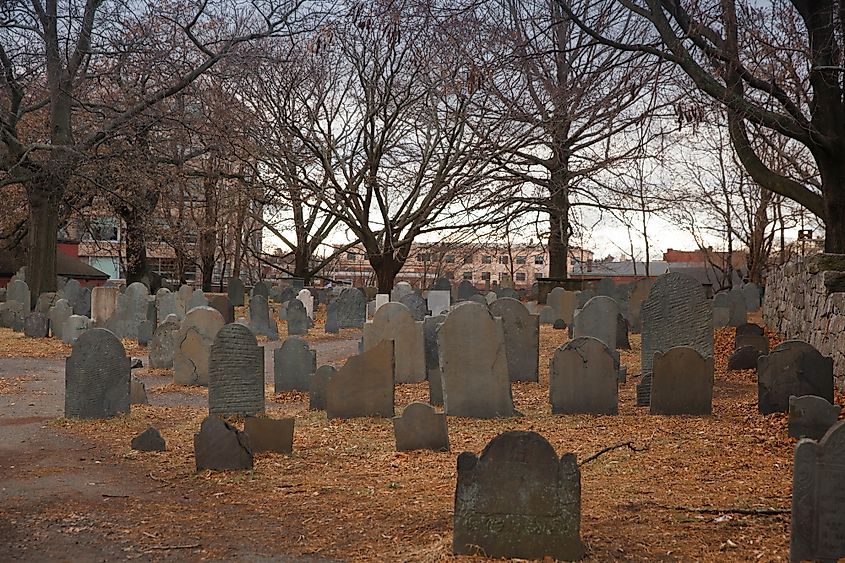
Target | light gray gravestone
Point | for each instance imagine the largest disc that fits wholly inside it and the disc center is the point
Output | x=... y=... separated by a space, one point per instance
x=269 y=435
x=97 y=376
x=59 y=314
x=193 y=345
x=421 y=428
x=260 y=320
x=548 y=315
x=400 y=290
x=364 y=386
x=394 y=322
x=811 y=416
x=294 y=364
x=131 y=309
x=522 y=338
x=11 y=315
x=73 y=328
x=17 y=290
x=319 y=384
x=438 y=301
x=564 y=304
x=682 y=383
x=235 y=373
x=220 y=447
x=792 y=368
x=78 y=296
x=103 y=303
x=751 y=292
x=236 y=292
x=162 y=346
x=416 y=305
x=197 y=300
x=598 y=319
x=168 y=303
x=583 y=378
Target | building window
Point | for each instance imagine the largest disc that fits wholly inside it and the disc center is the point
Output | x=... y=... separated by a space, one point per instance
x=104 y=228
x=520 y=259
x=504 y=277
x=539 y=259
x=520 y=276
x=486 y=259
x=503 y=259
x=485 y=276
x=467 y=275
x=449 y=258
x=351 y=256
x=468 y=259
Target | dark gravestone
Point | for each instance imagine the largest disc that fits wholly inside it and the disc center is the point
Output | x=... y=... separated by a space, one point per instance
x=559 y=324
x=477 y=298
x=294 y=364
x=260 y=320
x=319 y=384
x=751 y=335
x=811 y=416
x=236 y=292
x=522 y=338
x=818 y=498
x=518 y=500
x=137 y=392
x=548 y=315
x=622 y=341
x=12 y=315
x=145 y=332
x=792 y=368
x=743 y=358
x=349 y=309
x=441 y=284
x=268 y=435
x=78 y=297
x=466 y=290
x=261 y=288
x=220 y=447
x=235 y=373
x=507 y=292
x=583 y=378
x=162 y=346
x=749 y=328
x=432 y=359
x=682 y=383
x=416 y=304
x=149 y=440
x=298 y=320
x=224 y=307
x=36 y=325
x=421 y=428
x=97 y=376
x=364 y=386
x=287 y=293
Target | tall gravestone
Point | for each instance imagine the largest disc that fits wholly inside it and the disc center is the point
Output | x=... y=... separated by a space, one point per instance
x=185 y=293
x=59 y=314
x=130 y=311
x=682 y=383
x=676 y=313
x=792 y=368
x=103 y=303
x=45 y=301
x=432 y=358
x=17 y=290
x=598 y=319
x=348 y=309
x=583 y=378
x=294 y=364
x=522 y=338
x=438 y=301
x=518 y=500
x=473 y=364
x=307 y=300
x=260 y=320
x=466 y=290
x=78 y=296
x=168 y=303
x=364 y=386
x=394 y=322
x=637 y=293
x=236 y=292
x=235 y=373
x=563 y=303
x=261 y=288
x=97 y=376
x=298 y=321
x=223 y=306
x=751 y=293
x=193 y=345
x=319 y=386
x=162 y=346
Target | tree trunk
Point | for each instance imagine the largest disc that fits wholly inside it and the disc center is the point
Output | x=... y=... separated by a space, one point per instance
x=137 y=265
x=386 y=267
x=301 y=259
x=757 y=255
x=44 y=202
x=834 y=204
x=207 y=245
x=558 y=225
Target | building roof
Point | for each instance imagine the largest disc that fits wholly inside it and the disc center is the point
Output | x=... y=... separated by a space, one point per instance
x=611 y=269
x=66 y=266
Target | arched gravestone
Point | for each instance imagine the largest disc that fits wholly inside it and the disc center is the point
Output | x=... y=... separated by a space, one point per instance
x=441 y=284
x=349 y=309
x=792 y=368
x=473 y=364
x=45 y=301
x=416 y=305
x=74 y=327
x=637 y=293
x=260 y=320
x=734 y=303
x=675 y=313
x=97 y=376
x=421 y=428
x=307 y=300
x=236 y=292
x=17 y=290
x=400 y=290
x=319 y=386
x=518 y=500
x=364 y=386
x=77 y=296
x=811 y=416
x=235 y=373
x=193 y=346
x=168 y=303
x=294 y=364
x=298 y=321
x=185 y=293
x=197 y=300
x=393 y=321
x=682 y=383
x=36 y=325
x=564 y=303
x=130 y=311
x=522 y=338
x=162 y=346
x=818 y=508
x=223 y=306
x=261 y=288
x=466 y=290
x=583 y=378
x=59 y=314
x=598 y=319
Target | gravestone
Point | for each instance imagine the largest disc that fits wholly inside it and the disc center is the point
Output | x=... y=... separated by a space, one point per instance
x=598 y=319
x=298 y=320
x=476 y=298
x=185 y=293
x=168 y=303
x=751 y=335
x=438 y=301
x=73 y=328
x=197 y=300
x=348 y=310
x=261 y=288
x=548 y=315
x=474 y=364
x=432 y=359
x=97 y=376
x=103 y=303
x=583 y=378
x=364 y=386
x=522 y=338
x=130 y=310
x=622 y=341
x=162 y=345
x=721 y=317
x=36 y=325
x=466 y=290
x=149 y=440
x=792 y=368
x=381 y=300
x=518 y=500
x=286 y=294
x=11 y=315
x=416 y=305
x=818 y=503
x=59 y=314
x=400 y=290
x=744 y=357
x=441 y=284
x=46 y=301
x=676 y=313
x=421 y=428
x=581 y=298
x=260 y=320
x=294 y=364
x=220 y=447
x=17 y=290
x=811 y=416
x=236 y=291
x=507 y=292
x=319 y=384
x=235 y=373
x=564 y=304
x=308 y=301
x=193 y=345
x=682 y=383
x=223 y=306
x=734 y=302
x=145 y=332
x=77 y=296
x=394 y=322
x=269 y=435
x=637 y=293
x=137 y=392
x=491 y=297
x=751 y=293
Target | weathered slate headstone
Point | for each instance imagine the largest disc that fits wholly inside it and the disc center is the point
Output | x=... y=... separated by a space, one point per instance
x=130 y=310
x=298 y=320
x=347 y=310
x=162 y=346
x=223 y=306
x=432 y=359
x=17 y=290
x=811 y=416
x=46 y=301
x=564 y=304
x=197 y=300
x=744 y=357
x=734 y=302
x=137 y=392
x=193 y=346
x=637 y=293
x=236 y=292
x=438 y=301
x=507 y=292
x=318 y=387
x=474 y=364
x=466 y=290
x=400 y=290
x=103 y=303
x=364 y=386
x=261 y=288
x=622 y=327
x=751 y=335
x=97 y=376
x=751 y=292
x=59 y=314
x=792 y=368
x=149 y=440
x=441 y=284
x=11 y=315
x=294 y=364
x=421 y=428
x=416 y=305
x=269 y=435
x=682 y=383
x=721 y=317
x=598 y=319
x=583 y=378
x=73 y=328
x=260 y=320
x=394 y=322
x=36 y=325
x=522 y=338
x=518 y=500
x=548 y=315
x=235 y=373
x=220 y=447
x=168 y=303
x=78 y=296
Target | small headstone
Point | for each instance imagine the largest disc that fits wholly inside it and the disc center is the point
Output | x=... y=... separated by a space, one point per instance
x=416 y=305
x=518 y=500
x=74 y=326
x=743 y=358
x=399 y=291
x=682 y=383
x=36 y=325
x=319 y=384
x=298 y=320
x=421 y=428
x=12 y=315
x=811 y=416
x=294 y=364
x=46 y=302
x=78 y=296
x=559 y=325
x=394 y=322
x=260 y=320
x=792 y=368
x=269 y=435
x=137 y=392
x=145 y=332
x=193 y=346
x=149 y=440
x=364 y=386
x=583 y=378
x=564 y=304
x=236 y=292
x=381 y=300
x=17 y=290
x=168 y=303
x=185 y=293
x=598 y=319
x=432 y=359
x=59 y=314
x=223 y=306
x=466 y=290
x=97 y=376
x=522 y=338
x=235 y=373
x=261 y=288
x=220 y=447
x=490 y=297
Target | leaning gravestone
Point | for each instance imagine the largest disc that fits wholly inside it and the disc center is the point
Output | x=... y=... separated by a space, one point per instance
x=260 y=320
x=522 y=338
x=294 y=364
x=97 y=376
x=474 y=364
x=59 y=314
x=193 y=346
x=349 y=309
x=432 y=359
x=416 y=305
x=236 y=292
x=811 y=416
x=220 y=447
x=682 y=383
x=818 y=510
x=223 y=306
x=162 y=346
x=792 y=368
x=598 y=319
x=36 y=325
x=676 y=313
x=269 y=435
x=73 y=328
x=421 y=428
x=583 y=378
x=400 y=290
x=518 y=500
x=298 y=320
x=364 y=386
x=318 y=386
x=394 y=322
x=235 y=373
x=78 y=296
x=17 y=290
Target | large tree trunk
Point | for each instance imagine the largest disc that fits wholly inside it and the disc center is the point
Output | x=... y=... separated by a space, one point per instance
x=137 y=265
x=386 y=266
x=558 y=225
x=301 y=259
x=44 y=199
x=833 y=181
x=757 y=255
x=207 y=247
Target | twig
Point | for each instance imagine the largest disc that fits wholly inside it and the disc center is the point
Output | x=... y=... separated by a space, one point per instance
x=629 y=445
x=731 y=510
x=166 y=547
x=106 y=495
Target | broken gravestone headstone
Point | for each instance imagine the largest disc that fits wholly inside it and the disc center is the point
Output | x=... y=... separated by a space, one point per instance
x=149 y=440
x=364 y=386
x=792 y=368
x=421 y=428
x=811 y=416
x=221 y=447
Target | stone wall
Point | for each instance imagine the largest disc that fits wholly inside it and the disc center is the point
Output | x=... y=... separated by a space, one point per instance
x=806 y=301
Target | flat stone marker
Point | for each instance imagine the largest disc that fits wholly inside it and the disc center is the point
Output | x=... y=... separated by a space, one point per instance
x=260 y=320
x=792 y=368
x=364 y=385
x=583 y=378
x=103 y=303
x=137 y=392
x=298 y=320
x=269 y=435
x=36 y=325
x=598 y=319
x=319 y=385
x=421 y=428
x=818 y=498
x=236 y=291
x=193 y=345
x=743 y=358
x=294 y=364
x=432 y=359
x=394 y=322
x=522 y=338
x=518 y=500
x=223 y=306
x=149 y=440
x=682 y=383
x=474 y=364
x=17 y=290
x=400 y=290
x=162 y=345
x=811 y=416
x=97 y=376
x=60 y=312
x=73 y=328
x=220 y=447
x=416 y=305
x=236 y=373
x=438 y=301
